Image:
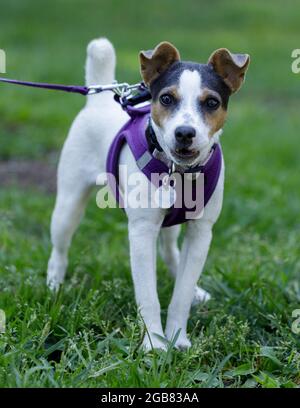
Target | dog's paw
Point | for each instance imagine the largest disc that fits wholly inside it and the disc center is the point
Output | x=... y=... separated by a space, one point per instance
x=182 y=343
x=56 y=270
x=200 y=296
x=154 y=343
x=179 y=340
x=53 y=285
x=54 y=280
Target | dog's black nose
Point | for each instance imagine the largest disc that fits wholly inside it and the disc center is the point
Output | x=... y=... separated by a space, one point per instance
x=184 y=135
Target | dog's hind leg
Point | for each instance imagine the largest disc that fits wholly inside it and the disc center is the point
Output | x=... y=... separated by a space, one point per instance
x=83 y=156
x=68 y=211
x=170 y=253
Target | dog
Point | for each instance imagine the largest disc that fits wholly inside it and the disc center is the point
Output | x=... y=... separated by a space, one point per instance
x=188 y=110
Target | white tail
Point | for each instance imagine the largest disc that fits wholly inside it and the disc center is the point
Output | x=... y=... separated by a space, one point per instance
x=100 y=63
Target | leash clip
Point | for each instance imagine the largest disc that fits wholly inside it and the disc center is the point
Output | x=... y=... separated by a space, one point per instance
x=123 y=90
x=94 y=89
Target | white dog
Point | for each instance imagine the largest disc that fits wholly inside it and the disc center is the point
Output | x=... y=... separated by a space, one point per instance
x=188 y=109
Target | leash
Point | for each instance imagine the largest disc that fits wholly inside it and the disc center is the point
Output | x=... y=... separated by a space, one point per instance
x=125 y=93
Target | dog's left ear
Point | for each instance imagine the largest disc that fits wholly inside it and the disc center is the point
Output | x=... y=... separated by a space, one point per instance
x=155 y=62
x=231 y=67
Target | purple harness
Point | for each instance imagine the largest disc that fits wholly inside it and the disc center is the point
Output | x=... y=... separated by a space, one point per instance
x=133 y=133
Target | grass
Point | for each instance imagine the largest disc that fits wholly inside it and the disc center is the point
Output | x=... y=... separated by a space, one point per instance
x=88 y=334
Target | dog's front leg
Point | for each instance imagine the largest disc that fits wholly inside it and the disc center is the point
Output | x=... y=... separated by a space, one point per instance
x=194 y=252
x=143 y=236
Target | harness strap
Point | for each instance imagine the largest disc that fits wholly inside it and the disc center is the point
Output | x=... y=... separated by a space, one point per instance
x=144 y=160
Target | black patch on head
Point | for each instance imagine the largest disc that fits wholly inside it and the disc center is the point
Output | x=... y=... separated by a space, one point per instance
x=167 y=78
x=210 y=79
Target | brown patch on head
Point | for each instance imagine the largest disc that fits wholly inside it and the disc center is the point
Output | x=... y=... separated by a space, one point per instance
x=160 y=113
x=215 y=119
x=155 y=62
x=231 y=67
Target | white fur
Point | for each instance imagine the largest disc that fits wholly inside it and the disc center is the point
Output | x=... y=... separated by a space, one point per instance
x=83 y=158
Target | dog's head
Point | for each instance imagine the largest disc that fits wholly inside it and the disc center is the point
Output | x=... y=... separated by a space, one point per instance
x=189 y=100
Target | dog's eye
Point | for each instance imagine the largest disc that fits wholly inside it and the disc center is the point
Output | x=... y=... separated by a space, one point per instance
x=212 y=103
x=166 y=99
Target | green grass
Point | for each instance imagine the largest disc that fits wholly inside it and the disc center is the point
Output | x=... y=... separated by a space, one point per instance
x=88 y=335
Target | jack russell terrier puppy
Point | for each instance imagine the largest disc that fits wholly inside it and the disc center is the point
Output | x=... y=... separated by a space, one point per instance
x=188 y=111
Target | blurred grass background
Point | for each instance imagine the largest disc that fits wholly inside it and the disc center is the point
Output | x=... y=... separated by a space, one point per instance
x=253 y=267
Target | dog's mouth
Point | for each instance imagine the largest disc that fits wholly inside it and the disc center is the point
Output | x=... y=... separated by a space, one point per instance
x=183 y=153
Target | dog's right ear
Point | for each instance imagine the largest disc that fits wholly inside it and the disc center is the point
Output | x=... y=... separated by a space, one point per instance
x=155 y=62
x=231 y=67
